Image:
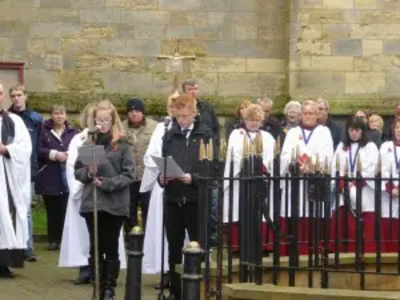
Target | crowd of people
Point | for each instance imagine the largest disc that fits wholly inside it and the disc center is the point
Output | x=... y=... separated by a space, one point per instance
x=42 y=156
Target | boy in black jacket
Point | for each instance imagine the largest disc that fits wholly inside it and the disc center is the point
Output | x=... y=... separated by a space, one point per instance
x=182 y=142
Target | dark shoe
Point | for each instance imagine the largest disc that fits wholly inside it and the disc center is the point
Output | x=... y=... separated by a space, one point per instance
x=84 y=276
x=53 y=247
x=111 y=276
x=165 y=284
x=30 y=257
x=5 y=272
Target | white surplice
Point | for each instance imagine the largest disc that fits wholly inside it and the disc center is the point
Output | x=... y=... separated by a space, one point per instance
x=75 y=244
x=235 y=145
x=319 y=143
x=369 y=158
x=390 y=167
x=152 y=240
x=18 y=168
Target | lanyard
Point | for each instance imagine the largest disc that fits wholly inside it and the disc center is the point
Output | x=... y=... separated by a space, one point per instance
x=353 y=161
x=307 y=138
x=395 y=157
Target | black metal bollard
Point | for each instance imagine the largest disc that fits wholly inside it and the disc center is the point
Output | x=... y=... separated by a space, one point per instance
x=192 y=277
x=133 y=285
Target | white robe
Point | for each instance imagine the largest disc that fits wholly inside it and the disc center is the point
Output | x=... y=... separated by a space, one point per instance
x=18 y=168
x=235 y=145
x=152 y=239
x=320 y=143
x=369 y=159
x=389 y=165
x=75 y=244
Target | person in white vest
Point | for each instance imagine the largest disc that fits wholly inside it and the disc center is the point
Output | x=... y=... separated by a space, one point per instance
x=355 y=151
x=310 y=141
x=15 y=188
x=253 y=117
x=390 y=162
x=75 y=244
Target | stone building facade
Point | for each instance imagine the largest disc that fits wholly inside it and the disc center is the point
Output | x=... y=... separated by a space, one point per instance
x=78 y=50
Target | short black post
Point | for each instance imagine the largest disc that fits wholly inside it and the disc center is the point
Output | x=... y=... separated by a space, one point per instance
x=133 y=285
x=192 y=277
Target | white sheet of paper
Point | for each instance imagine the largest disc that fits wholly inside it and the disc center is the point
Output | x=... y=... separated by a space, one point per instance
x=173 y=169
x=86 y=153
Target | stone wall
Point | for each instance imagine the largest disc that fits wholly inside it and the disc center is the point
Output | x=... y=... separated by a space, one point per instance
x=75 y=50
x=347 y=50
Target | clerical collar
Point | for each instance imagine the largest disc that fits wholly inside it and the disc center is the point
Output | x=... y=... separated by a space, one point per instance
x=305 y=127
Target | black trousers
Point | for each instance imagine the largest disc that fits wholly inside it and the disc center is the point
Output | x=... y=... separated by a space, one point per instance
x=135 y=198
x=56 y=206
x=109 y=228
x=178 y=219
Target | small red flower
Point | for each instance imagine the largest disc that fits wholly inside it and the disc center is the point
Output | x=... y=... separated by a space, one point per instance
x=345 y=148
x=114 y=147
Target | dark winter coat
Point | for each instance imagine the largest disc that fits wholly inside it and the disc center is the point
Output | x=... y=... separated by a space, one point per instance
x=51 y=178
x=185 y=151
x=209 y=118
x=33 y=122
x=117 y=175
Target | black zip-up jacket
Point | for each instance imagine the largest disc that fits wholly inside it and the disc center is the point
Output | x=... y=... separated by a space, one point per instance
x=209 y=118
x=186 y=154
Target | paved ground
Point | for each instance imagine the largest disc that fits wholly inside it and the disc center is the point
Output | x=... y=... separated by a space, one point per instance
x=43 y=280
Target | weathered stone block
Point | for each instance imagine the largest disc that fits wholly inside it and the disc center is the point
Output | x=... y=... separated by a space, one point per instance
x=3 y=45
x=17 y=13
x=149 y=17
x=187 y=47
x=366 y=4
x=265 y=65
x=122 y=4
x=380 y=17
x=142 y=47
x=113 y=47
x=87 y=4
x=375 y=31
x=331 y=63
x=54 y=62
x=272 y=84
x=144 y=4
x=300 y=62
x=149 y=31
x=55 y=3
x=220 y=65
x=261 y=49
x=181 y=32
x=180 y=5
x=194 y=18
x=365 y=82
x=14 y=28
x=391 y=47
x=352 y=16
x=72 y=46
x=314 y=48
x=316 y=83
x=246 y=32
x=36 y=46
x=310 y=3
x=58 y=15
x=216 y=18
x=341 y=4
x=270 y=32
x=393 y=83
x=100 y=16
x=17 y=45
x=84 y=81
x=326 y=16
x=40 y=81
x=55 y=29
x=126 y=31
x=207 y=32
x=238 y=84
x=221 y=48
x=336 y=31
x=372 y=47
x=216 y=5
x=122 y=82
x=311 y=32
x=36 y=62
x=347 y=47
x=98 y=32
x=375 y=63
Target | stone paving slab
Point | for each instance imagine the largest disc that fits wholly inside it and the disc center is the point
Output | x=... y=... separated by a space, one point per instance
x=43 y=280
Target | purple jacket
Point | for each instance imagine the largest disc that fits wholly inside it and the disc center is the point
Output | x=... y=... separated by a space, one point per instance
x=51 y=178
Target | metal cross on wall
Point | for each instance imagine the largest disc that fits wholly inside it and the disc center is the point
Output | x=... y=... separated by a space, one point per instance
x=175 y=63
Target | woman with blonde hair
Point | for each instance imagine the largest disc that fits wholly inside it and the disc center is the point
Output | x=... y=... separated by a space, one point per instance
x=237 y=122
x=74 y=250
x=111 y=181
